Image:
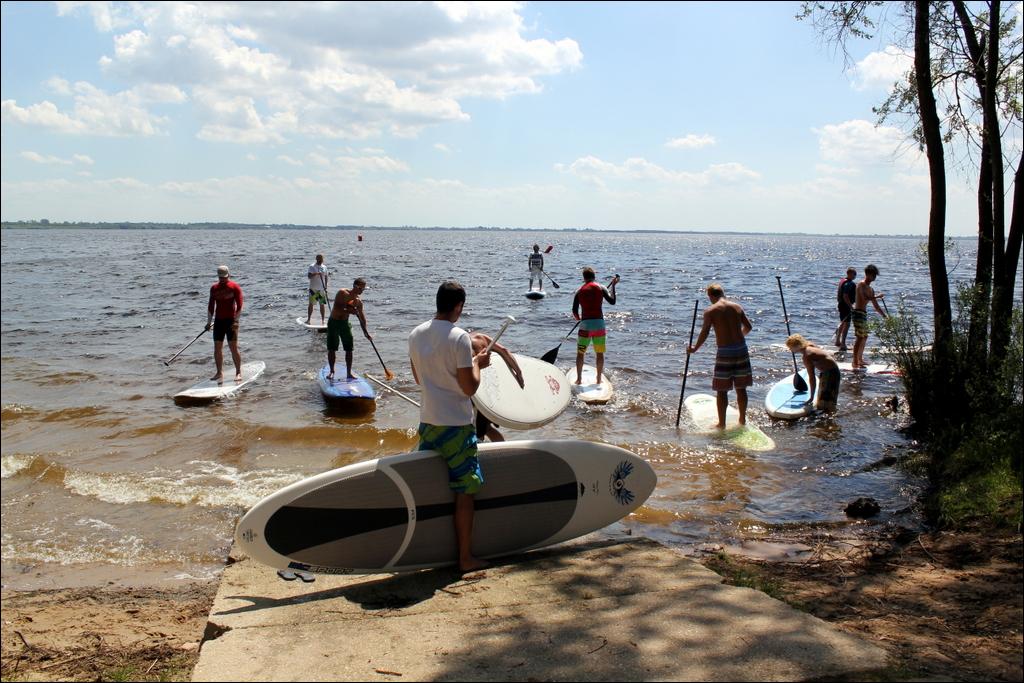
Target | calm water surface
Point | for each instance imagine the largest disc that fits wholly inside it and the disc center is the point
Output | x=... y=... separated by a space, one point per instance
x=105 y=477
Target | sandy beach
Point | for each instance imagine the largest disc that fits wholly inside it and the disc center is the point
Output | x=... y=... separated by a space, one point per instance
x=943 y=605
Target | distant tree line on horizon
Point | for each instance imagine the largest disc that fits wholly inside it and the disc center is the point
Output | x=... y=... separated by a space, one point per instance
x=46 y=224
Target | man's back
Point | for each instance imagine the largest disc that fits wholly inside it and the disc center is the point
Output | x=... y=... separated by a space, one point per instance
x=728 y=320
x=438 y=349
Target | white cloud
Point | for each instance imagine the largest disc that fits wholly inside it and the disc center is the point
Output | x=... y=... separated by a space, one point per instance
x=288 y=160
x=351 y=166
x=441 y=147
x=96 y=112
x=266 y=72
x=83 y=159
x=859 y=143
x=600 y=172
x=882 y=69
x=691 y=141
x=41 y=159
x=58 y=86
x=106 y=16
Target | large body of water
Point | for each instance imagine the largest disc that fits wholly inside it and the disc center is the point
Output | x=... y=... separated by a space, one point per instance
x=104 y=477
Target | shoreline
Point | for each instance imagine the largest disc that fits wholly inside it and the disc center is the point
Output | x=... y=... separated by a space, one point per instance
x=945 y=604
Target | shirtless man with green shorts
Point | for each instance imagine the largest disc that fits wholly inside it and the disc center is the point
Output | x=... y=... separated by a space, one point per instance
x=339 y=329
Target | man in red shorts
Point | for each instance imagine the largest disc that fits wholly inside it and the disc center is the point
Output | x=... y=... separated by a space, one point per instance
x=223 y=311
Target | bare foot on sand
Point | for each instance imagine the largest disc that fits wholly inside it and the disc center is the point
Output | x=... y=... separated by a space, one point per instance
x=473 y=565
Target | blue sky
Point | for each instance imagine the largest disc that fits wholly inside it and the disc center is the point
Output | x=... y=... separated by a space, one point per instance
x=673 y=116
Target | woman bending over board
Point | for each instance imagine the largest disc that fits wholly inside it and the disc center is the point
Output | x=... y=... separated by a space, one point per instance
x=817 y=358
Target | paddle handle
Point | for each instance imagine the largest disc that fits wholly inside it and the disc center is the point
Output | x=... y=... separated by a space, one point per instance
x=798 y=382
x=508 y=321
x=168 y=361
x=391 y=389
x=686 y=369
x=557 y=286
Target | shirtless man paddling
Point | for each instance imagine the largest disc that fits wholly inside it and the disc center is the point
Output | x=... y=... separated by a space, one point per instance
x=339 y=329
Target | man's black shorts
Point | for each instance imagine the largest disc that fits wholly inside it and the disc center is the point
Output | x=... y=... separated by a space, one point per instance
x=224 y=327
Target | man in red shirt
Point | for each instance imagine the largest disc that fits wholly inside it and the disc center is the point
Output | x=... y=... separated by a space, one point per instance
x=223 y=311
x=590 y=298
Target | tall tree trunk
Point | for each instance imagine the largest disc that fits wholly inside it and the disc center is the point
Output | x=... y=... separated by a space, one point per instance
x=1000 y=319
x=1002 y=300
x=977 y=335
x=937 y=172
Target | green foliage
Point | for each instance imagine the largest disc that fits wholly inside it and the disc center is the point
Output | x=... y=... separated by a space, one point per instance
x=970 y=414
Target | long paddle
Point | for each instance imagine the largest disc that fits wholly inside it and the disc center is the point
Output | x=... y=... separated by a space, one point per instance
x=326 y=295
x=551 y=355
x=388 y=375
x=686 y=369
x=168 y=361
x=391 y=389
x=798 y=382
x=557 y=286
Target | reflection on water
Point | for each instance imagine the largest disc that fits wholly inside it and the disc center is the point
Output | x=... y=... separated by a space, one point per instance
x=100 y=468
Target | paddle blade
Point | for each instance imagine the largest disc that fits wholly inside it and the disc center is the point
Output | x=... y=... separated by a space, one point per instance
x=548 y=250
x=799 y=384
x=388 y=375
x=551 y=355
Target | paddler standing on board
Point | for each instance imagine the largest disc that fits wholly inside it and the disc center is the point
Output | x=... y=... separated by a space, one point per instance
x=318 y=276
x=536 y=263
x=445 y=366
x=865 y=293
x=222 y=313
x=590 y=298
x=732 y=364
x=339 y=329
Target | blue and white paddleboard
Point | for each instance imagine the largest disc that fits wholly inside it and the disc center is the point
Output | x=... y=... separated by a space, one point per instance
x=339 y=389
x=785 y=402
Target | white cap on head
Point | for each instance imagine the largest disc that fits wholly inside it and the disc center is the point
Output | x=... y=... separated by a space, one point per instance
x=222 y=271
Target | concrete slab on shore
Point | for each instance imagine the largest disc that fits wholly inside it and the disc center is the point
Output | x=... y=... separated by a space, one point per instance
x=599 y=610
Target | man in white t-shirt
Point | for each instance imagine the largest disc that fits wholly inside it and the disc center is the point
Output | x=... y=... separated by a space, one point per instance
x=444 y=365
x=318 y=275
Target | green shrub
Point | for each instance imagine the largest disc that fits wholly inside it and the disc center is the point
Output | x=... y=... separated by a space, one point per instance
x=970 y=414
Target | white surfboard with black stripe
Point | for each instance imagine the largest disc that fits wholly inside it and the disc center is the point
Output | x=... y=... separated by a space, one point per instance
x=394 y=514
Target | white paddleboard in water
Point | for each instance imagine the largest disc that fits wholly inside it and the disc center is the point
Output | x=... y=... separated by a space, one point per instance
x=544 y=396
x=394 y=514
x=313 y=324
x=535 y=294
x=589 y=391
x=703 y=409
x=211 y=390
x=871 y=369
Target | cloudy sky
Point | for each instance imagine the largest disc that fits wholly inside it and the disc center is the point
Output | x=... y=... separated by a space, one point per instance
x=674 y=116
